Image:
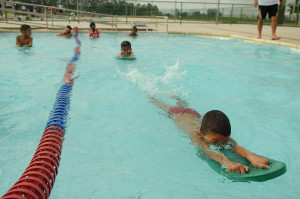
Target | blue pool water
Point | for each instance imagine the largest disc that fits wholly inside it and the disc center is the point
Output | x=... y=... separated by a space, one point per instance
x=118 y=145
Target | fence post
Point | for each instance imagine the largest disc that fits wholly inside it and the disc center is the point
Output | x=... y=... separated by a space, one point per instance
x=151 y=9
x=116 y=22
x=46 y=10
x=167 y=24
x=217 y=17
x=52 y=17
x=181 y=14
x=241 y=14
x=298 y=15
x=126 y=12
x=5 y=12
x=175 y=11
x=231 y=14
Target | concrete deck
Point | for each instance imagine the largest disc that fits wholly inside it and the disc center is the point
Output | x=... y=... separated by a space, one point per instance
x=290 y=36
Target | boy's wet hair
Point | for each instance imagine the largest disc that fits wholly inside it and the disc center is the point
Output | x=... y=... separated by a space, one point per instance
x=69 y=27
x=24 y=27
x=215 y=122
x=125 y=44
x=93 y=26
x=135 y=28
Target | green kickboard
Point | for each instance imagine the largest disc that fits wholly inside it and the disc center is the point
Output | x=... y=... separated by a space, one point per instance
x=276 y=168
x=129 y=59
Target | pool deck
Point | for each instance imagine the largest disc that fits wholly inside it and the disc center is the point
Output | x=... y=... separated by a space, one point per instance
x=290 y=36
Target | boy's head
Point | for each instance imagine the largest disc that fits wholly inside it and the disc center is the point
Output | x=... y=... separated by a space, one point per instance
x=68 y=28
x=25 y=30
x=134 y=29
x=92 y=26
x=126 y=47
x=215 y=127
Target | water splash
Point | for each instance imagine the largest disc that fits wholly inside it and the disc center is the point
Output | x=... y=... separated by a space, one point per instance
x=166 y=84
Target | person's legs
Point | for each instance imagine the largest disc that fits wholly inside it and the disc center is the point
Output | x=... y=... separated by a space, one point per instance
x=160 y=104
x=259 y=27
x=274 y=26
x=180 y=102
x=273 y=13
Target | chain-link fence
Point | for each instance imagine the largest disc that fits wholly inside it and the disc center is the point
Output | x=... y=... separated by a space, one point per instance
x=214 y=12
x=177 y=11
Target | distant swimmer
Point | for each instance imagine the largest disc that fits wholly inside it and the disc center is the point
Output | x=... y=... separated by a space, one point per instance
x=67 y=32
x=94 y=33
x=133 y=32
x=25 y=39
x=126 y=51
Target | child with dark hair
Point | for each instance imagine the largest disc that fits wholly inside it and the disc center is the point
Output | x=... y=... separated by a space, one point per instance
x=67 y=32
x=25 y=39
x=133 y=31
x=214 y=129
x=93 y=31
x=126 y=51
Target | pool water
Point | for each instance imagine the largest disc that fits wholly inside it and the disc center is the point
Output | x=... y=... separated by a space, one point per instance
x=118 y=144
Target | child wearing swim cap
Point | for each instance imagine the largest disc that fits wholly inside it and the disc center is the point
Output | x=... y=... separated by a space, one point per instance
x=25 y=39
x=126 y=51
x=213 y=129
x=67 y=32
x=94 y=33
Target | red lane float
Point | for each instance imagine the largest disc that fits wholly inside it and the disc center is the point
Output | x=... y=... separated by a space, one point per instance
x=38 y=179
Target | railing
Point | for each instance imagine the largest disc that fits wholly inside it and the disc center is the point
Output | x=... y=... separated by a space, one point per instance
x=156 y=14
x=41 y=16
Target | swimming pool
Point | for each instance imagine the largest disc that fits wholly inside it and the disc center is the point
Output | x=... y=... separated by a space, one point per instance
x=118 y=145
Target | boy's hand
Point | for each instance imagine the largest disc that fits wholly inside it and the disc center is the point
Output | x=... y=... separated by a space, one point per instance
x=237 y=167
x=258 y=161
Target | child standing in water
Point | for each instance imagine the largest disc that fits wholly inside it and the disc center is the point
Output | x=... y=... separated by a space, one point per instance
x=133 y=31
x=93 y=31
x=25 y=39
x=126 y=51
x=67 y=32
x=213 y=129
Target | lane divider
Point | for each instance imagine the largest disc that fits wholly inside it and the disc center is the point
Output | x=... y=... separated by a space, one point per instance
x=38 y=179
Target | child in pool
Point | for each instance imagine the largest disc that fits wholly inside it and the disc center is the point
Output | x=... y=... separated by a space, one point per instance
x=133 y=31
x=94 y=33
x=25 y=39
x=126 y=51
x=67 y=32
x=214 y=129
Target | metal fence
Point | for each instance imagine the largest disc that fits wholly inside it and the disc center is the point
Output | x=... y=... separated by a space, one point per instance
x=153 y=12
x=218 y=12
x=43 y=16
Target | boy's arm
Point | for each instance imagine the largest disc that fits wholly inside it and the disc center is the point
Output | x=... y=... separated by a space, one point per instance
x=18 y=41
x=256 y=160
x=30 y=43
x=222 y=159
x=131 y=55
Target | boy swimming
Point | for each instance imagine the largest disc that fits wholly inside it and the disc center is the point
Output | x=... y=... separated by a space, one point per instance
x=126 y=51
x=67 y=32
x=214 y=129
x=25 y=39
